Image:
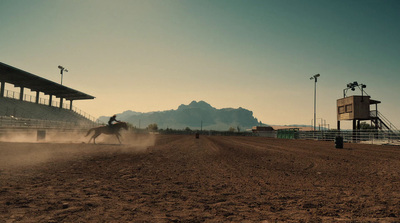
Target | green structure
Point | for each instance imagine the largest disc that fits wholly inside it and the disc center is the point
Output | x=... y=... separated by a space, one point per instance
x=292 y=133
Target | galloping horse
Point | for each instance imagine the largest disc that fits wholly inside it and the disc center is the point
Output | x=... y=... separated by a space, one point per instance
x=109 y=130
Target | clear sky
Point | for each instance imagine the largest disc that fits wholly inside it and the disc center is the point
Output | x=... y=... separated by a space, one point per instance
x=148 y=55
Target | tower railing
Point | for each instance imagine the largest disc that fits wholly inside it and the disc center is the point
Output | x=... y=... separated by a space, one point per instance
x=384 y=120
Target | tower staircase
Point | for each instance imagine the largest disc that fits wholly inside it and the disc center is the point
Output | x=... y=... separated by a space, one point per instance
x=382 y=123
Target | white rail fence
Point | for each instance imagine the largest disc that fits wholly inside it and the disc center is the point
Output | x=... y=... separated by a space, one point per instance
x=361 y=136
x=13 y=122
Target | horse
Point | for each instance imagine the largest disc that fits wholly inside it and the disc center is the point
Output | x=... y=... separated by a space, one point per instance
x=109 y=130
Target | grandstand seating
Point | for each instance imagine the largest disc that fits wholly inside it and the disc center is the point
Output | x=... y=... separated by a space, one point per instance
x=28 y=110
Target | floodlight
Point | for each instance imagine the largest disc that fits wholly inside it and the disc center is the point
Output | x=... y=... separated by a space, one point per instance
x=62 y=69
x=315 y=77
x=353 y=86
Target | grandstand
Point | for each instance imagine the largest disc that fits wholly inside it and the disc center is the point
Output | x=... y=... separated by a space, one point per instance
x=20 y=110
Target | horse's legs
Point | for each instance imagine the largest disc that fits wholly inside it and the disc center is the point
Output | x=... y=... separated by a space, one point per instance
x=118 y=135
x=90 y=139
x=96 y=134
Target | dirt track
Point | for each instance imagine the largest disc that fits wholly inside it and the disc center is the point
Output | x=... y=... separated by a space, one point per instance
x=212 y=179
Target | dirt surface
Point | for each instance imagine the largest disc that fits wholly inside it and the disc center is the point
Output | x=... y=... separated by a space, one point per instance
x=210 y=179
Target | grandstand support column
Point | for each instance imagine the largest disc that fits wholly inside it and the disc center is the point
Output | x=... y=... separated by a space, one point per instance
x=3 y=84
x=21 y=94
x=61 y=102
x=70 y=104
x=37 y=97
x=50 y=100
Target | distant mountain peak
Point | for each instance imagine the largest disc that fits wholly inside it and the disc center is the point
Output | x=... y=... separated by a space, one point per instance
x=195 y=104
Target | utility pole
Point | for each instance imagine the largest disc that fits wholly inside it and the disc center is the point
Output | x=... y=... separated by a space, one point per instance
x=315 y=77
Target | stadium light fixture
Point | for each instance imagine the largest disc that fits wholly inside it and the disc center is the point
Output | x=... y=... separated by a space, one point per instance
x=352 y=86
x=62 y=70
x=315 y=77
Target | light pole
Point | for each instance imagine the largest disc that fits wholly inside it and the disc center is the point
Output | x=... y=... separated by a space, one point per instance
x=315 y=77
x=62 y=69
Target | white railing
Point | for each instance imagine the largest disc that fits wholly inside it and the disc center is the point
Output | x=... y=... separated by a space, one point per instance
x=13 y=122
x=367 y=136
x=371 y=136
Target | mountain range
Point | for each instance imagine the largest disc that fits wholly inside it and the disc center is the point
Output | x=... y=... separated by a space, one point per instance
x=196 y=116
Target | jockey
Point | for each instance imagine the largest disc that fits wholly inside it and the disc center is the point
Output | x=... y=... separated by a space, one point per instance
x=112 y=119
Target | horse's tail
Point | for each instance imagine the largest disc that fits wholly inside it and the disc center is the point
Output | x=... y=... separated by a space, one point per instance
x=90 y=130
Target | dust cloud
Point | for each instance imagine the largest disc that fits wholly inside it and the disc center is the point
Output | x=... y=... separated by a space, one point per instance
x=22 y=149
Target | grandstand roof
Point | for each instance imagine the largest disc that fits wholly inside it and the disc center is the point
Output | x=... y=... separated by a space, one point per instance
x=20 y=78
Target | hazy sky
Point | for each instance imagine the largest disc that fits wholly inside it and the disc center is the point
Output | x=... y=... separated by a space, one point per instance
x=155 y=55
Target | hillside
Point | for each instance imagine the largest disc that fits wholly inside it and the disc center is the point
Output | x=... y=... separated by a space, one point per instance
x=195 y=115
